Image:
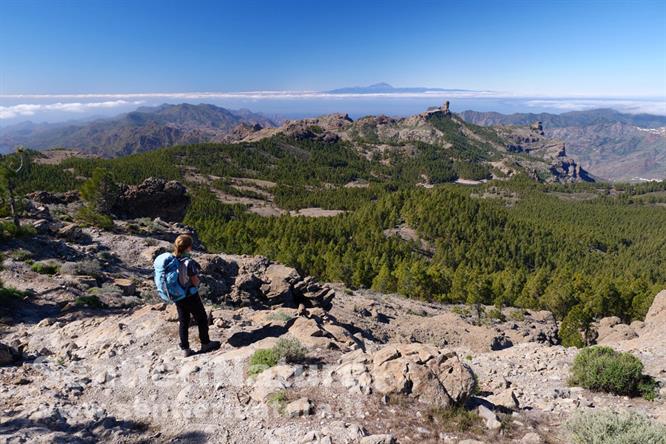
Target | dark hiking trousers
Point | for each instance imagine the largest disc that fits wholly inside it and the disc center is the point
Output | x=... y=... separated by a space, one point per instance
x=192 y=306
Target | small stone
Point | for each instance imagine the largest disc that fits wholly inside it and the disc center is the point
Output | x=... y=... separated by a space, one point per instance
x=101 y=378
x=378 y=439
x=489 y=418
x=300 y=407
x=531 y=438
x=506 y=398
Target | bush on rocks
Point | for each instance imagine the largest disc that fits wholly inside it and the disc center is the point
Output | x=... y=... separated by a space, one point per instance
x=614 y=428
x=49 y=267
x=89 y=301
x=288 y=349
x=262 y=359
x=606 y=370
x=10 y=294
x=82 y=268
x=92 y=218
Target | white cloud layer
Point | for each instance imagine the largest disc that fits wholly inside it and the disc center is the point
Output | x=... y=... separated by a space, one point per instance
x=81 y=103
x=30 y=109
x=258 y=95
x=624 y=105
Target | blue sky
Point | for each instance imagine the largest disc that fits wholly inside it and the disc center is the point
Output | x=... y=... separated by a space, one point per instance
x=528 y=48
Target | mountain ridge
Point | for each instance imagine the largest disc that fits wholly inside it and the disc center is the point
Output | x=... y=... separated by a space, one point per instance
x=144 y=129
x=616 y=146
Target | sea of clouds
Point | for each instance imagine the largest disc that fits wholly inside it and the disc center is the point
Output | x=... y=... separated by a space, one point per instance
x=58 y=107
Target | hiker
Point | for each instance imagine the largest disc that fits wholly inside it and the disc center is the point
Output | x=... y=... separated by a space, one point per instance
x=177 y=280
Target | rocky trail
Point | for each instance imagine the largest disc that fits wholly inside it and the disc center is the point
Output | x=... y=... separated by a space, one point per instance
x=91 y=355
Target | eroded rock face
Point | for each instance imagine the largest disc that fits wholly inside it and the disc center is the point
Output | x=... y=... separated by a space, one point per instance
x=44 y=197
x=431 y=375
x=656 y=316
x=152 y=198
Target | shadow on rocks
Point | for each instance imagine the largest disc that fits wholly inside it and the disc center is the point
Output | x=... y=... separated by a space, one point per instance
x=245 y=338
x=107 y=429
x=191 y=438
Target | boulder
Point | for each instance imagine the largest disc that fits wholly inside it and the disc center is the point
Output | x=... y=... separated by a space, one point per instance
x=42 y=226
x=45 y=197
x=310 y=333
x=72 y=233
x=279 y=280
x=656 y=315
x=506 y=398
x=300 y=407
x=127 y=286
x=378 y=439
x=272 y=380
x=424 y=372
x=620 y=332
x=149 y=254
x=154 y=197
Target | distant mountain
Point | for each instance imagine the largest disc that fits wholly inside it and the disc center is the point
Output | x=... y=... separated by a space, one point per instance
x=145 y=129
x=616 y=146
x=381 y=88
x=441 y=145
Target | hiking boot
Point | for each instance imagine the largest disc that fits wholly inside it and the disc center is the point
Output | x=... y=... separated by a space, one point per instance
x=187 y=352
x=212 y=345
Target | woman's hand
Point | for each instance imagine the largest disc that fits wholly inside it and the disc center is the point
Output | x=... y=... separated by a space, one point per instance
x=195 y=280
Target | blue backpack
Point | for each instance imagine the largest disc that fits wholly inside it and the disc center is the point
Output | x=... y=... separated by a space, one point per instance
x=168 y=278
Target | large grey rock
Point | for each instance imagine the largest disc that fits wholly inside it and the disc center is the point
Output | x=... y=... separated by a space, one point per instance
x=279 y=280
x=506 y=398
x=72 y=233
x=433 y=376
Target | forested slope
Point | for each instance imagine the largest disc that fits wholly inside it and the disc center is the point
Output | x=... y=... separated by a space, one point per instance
x=597 y=247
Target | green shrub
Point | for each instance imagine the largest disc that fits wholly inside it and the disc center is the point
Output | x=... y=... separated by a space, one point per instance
x=90 y=217
x=457 y=419
x=606 y=370
x=262 y=359
x=21 y=255
x=290 y=349
x=8 y=295
x=496 y=313
x=614 y=428
x=49 y=268
x=86 y=267
x=278 y=400
x=461 y=311
x=517 y=315
x=648 y=388
x=89 y=301
x=8 y=230
x=279 y=316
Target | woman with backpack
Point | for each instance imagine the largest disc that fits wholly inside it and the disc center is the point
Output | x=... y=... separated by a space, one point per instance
x=177 y=279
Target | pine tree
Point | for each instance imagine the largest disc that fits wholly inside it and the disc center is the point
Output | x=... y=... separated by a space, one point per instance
x=384 y=282
x=10 y=167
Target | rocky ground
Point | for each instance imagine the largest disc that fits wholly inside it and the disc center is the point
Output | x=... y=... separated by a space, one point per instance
x=90 y=355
